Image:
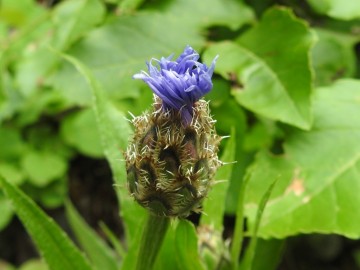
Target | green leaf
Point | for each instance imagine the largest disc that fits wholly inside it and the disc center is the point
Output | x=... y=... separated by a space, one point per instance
x=248 y=259
x=166 y=259
x=76 y=131
x=268 y=254
x=333 y=56
x=117 y=50
x=214 y=205
x=267 y=63
x=74 y=18
x=186 y=249
x=114 y=132
x=230 y=115
x=101 y=256
x=12 y=173
x=11 y=143
x=339 y=9
x=34 y=264
x=6 y=210
x=319 y=172
x=43 y=167
x=180 y=248
x=54 y=245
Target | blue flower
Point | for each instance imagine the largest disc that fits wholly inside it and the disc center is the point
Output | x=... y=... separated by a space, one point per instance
x=179 y=83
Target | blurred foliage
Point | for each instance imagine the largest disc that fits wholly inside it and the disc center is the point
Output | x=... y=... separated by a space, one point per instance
x=286 y=87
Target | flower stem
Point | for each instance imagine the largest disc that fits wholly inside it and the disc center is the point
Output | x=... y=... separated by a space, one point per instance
x=152 y=238
x=239 y=225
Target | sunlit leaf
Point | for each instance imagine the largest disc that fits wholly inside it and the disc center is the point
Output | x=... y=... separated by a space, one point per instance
x=270 y=66
x=318 y=172
x=339 y=9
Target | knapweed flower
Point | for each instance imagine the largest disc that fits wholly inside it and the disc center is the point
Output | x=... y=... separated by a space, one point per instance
x=179 y=83
x=172 y=157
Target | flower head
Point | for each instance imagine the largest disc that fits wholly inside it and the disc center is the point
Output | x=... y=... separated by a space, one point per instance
x=179 y=84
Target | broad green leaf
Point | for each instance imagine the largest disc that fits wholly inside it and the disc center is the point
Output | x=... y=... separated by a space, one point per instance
x=117 y=50
x=79 y=130
x=68 y=22
x=333 y=56
x=114 y=132
x=54 y=245
x=339 y=9
x=214 y=205
x=261 y=135
x=43 y=167
x=271 y=65
x=319 y=172
x=101 y=256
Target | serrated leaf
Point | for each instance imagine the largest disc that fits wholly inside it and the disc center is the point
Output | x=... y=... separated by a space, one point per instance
x=119 y=49
x=54 y=245
x=266 y=62
x=319 y=173
x=214 y=205
x=339 y=9
x=101 y=256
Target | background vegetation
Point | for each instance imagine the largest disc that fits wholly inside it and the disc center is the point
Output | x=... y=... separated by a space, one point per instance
x=286 y=87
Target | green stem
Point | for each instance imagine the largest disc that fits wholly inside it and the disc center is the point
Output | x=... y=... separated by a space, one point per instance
x=152 y=238
x=239 y=225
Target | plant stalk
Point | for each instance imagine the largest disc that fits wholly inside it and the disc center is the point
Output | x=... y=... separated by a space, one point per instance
x=238 y=238
x=152 y=238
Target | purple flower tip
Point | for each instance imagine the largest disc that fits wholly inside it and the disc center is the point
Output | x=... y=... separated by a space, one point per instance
x=179 y=83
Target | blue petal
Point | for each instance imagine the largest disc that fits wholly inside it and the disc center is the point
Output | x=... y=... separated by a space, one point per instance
x=179 y=83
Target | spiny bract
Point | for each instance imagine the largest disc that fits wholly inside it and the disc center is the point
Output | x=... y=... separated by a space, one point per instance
x=172 y=158
x=170 y=166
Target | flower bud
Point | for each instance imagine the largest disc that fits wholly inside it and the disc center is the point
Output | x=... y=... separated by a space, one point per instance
x=172 y=158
